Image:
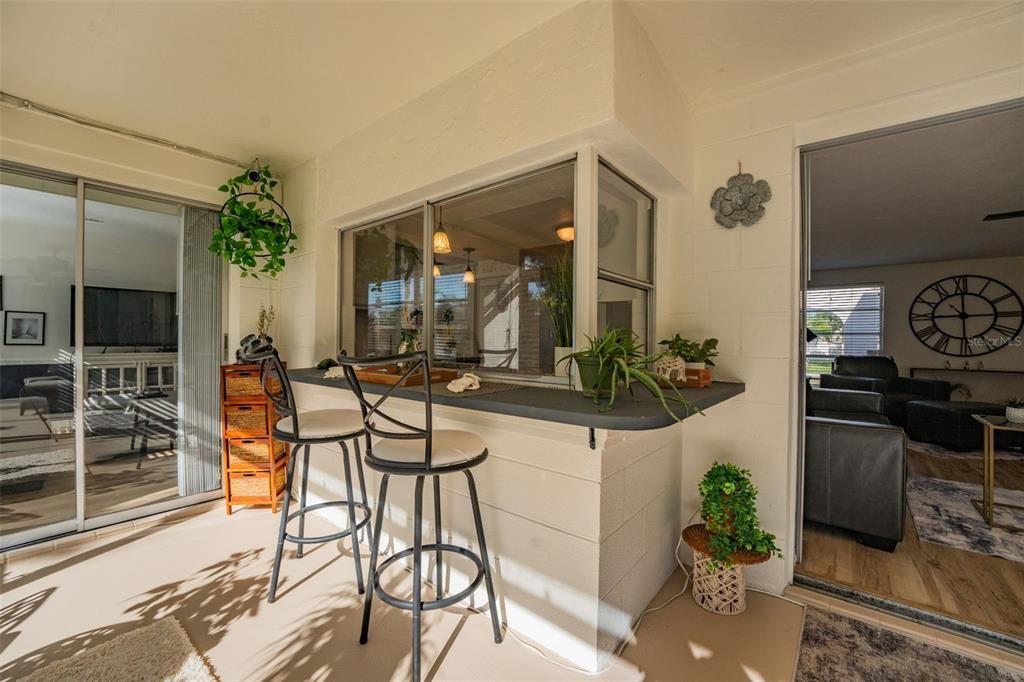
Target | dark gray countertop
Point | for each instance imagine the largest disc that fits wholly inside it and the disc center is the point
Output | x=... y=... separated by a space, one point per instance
x=552 y=404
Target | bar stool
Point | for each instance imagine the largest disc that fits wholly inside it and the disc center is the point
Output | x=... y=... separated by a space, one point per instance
x=406 y=450
x=316 y=427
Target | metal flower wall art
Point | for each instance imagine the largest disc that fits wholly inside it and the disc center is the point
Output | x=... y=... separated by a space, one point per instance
x=741 y=201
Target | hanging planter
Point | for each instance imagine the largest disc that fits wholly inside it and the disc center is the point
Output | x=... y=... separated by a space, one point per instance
x=253 y=230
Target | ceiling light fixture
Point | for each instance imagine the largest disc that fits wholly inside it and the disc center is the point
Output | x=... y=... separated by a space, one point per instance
x=441 y=242
x=566 y=233
x=437 y=269
x=1003 y=216
x=468 y=277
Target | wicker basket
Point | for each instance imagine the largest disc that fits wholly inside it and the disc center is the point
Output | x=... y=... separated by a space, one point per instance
x=245 y=420
x=255 y=485
x=252 y=452
x=242 y=383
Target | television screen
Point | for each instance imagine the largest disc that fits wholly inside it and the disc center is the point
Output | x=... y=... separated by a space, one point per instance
x=128 y=317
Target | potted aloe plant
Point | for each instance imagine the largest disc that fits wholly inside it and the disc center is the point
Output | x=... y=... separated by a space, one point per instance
x=616 y=358
x=1014 y=410
x=729 y=538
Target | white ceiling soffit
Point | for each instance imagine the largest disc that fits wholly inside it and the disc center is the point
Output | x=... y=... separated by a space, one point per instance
x=919 y=196
x=718 y=48
x=286 y=80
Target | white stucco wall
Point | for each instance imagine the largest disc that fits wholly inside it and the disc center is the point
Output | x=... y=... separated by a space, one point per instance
x=742 y=285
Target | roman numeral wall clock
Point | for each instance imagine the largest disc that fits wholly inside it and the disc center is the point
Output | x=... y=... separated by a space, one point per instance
x=967 y=315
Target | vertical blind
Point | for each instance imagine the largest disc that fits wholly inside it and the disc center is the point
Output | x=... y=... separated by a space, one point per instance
x=847 y=321
x=199 y=324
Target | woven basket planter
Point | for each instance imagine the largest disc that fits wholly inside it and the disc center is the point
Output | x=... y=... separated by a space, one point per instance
x=722 y=591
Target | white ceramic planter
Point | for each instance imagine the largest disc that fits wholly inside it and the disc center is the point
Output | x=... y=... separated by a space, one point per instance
x=1015 y=414
x=696 y=365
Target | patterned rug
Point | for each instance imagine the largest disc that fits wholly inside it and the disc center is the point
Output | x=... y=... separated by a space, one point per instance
x=835 y=647
x=940 y=451
x=943 y=514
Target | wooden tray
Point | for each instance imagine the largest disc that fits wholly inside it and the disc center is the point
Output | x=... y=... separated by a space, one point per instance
x=695 y=378
x=391 y=375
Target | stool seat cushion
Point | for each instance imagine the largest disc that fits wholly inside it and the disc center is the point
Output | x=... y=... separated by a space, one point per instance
x=319 y=424
x=449 y=447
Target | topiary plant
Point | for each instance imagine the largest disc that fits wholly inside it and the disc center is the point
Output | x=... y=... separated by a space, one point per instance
x=728 y=508
x=253 y=230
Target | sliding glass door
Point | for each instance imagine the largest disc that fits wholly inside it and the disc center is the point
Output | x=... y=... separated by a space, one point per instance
x=37 y=369
x=111 y=356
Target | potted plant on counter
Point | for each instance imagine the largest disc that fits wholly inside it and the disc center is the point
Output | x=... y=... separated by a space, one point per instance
x=697 y=355
x=729 y=538
x=616 y=358
x=556 y=295
x=1015 y=410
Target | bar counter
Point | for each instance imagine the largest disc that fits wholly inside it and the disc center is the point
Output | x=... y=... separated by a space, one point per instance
x=581 y=507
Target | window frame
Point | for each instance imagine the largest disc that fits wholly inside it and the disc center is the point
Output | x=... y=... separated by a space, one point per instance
x=649 y=288
x=427 y=206
x=859 y=285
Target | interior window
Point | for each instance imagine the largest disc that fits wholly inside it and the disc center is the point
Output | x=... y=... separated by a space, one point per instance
x=842 y=321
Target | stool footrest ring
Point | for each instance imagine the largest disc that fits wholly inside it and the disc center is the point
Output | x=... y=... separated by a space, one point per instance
x=433 y=603
x=333 y=536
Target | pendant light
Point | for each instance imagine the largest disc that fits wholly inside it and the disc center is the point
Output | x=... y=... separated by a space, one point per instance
x=437 y=268
x=468 y=277
x=566 y=233
x=442 y=244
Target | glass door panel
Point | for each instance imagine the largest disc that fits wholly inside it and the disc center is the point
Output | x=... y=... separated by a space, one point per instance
x=130 y=346
x=37 y=372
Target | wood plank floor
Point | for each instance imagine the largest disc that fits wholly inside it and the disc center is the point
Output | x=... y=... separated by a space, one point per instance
x=985 y=590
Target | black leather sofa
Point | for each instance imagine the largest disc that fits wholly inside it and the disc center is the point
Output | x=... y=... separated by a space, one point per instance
x=855 y=466
x=881 y=375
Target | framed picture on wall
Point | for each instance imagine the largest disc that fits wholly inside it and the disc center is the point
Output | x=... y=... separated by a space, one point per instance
x=24 y=329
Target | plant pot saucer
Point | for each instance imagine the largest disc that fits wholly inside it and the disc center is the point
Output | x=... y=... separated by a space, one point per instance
x=699 y=540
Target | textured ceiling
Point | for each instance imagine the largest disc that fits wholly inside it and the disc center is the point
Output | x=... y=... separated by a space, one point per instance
x=919 y=196
x=289 y=79
x=715 y=48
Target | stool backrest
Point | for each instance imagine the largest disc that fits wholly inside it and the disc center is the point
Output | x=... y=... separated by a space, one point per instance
x=273 y=378
x=378 y=422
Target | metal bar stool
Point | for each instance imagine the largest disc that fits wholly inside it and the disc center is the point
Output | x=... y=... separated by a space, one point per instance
x=406 y=450
x=315 y=427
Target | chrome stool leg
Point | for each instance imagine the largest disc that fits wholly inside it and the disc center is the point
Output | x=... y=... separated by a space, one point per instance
x=352 y=519
x=374 y=552
x=284 y=525
x=417 y=585
x=438 y=591
x=491 y=601
x=302 y=499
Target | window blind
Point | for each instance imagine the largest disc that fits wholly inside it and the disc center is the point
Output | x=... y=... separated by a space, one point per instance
x=847 y=321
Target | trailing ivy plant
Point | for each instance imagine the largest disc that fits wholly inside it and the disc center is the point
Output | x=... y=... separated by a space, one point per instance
x=729 y=509
x=253 y=230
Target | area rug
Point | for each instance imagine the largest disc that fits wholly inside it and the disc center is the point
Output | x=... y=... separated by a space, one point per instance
x=835 y=647
x=943 y=514
x=940 y=451
x=159 y=652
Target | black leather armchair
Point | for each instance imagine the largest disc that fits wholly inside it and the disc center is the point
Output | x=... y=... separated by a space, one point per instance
x=855 y=478
x=834 y=403
x=881 y=375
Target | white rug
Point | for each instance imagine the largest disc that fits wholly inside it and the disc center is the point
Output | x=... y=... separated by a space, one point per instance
x=160 y=652
x=943 y=514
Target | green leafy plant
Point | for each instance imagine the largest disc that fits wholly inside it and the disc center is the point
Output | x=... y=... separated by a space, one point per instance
x=253 y=230
x=615 y=357
x=827 y=325
x=556 y=295
x=1014 y=401
x=728 y=508
x=691 y=351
